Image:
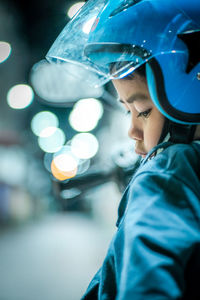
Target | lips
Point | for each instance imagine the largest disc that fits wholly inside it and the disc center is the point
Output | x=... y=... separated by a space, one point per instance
x=140 y=153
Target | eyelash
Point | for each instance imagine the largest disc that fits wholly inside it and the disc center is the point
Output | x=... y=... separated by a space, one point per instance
x=144 y=114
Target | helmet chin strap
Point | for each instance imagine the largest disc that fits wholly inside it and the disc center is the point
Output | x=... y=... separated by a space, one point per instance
x=177 y=133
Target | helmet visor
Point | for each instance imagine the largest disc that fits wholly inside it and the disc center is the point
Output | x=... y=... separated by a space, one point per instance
x=70 y=44
x=113 y=38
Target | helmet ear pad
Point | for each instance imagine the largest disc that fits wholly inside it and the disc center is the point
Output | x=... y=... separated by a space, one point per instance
x=173 y=91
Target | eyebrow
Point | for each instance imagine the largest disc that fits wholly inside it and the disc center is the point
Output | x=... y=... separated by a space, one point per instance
x=135 y=97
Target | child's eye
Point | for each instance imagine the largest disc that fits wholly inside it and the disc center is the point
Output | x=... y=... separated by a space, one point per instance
x=144 y=114
x=128 y=112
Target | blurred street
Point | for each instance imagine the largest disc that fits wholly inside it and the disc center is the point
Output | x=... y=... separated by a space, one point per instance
x=51 y=259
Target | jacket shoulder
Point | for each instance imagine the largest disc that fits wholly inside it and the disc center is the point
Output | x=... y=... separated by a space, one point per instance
x=177 y=160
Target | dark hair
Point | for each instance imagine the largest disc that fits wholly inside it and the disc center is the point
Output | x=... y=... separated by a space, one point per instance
x=141 y=71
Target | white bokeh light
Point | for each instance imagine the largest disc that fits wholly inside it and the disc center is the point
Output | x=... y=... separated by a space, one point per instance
x=48 y=131
x=65 y=151
x=84 y=145
x=65 y=162
x=5 y=50
x=86 y=114
x=90 y=106
x=52 y=143
x=20 y=96
x=66 y=154
x=74 y=9
x=80 y=122
x=44 y=123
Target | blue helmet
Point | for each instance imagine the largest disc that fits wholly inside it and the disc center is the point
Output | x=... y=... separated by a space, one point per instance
x=162 y=34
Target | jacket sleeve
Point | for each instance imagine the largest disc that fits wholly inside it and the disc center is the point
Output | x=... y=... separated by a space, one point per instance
x=158 y=235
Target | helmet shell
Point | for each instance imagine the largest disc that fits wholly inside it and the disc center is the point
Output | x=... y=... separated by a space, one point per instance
x=151 y=31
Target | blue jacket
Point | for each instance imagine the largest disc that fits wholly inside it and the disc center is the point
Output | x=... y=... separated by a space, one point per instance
x=155 y=253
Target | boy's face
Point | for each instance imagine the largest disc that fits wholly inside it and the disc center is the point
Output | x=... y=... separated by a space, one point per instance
x=146 y=121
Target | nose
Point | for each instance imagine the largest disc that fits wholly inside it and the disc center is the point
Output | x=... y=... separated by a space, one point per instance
x=135 y=131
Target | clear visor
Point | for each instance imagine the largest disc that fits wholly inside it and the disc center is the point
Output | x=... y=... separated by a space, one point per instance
x=92 y=40
x=70 y=44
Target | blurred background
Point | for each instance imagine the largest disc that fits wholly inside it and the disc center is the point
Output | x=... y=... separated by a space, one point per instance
x=65 y=160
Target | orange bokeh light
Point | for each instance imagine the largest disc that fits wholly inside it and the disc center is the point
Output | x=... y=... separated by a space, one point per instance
x=62 y=175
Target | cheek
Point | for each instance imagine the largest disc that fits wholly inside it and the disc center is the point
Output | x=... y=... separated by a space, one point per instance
x=153 y=130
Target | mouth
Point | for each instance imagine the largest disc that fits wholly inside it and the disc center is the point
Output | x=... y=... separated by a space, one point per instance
x=141 y=153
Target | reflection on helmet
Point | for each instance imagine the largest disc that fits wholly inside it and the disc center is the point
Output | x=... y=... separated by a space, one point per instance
x=163 y=34
x=123 y=5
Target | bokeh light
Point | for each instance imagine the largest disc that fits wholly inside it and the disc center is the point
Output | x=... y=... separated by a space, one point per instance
x=52 y=143
x=20 y=96
x=86 y=114
x=5 y=51
x=90 y=106
x=84 y=145
x=48 y=131
x=74 y=9
x=64 y=164
x=44 y=123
